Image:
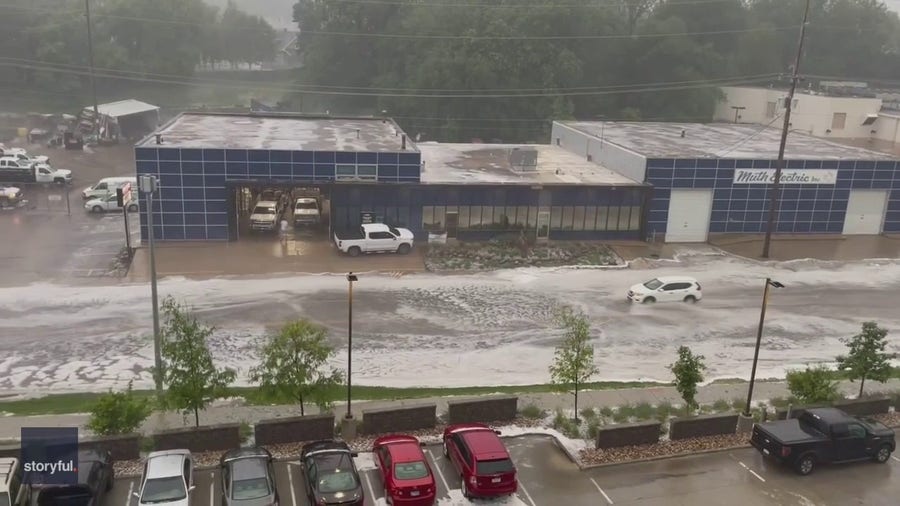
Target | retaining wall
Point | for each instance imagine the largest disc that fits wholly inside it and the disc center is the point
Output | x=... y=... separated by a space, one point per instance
x=294 y=429
x=404 y=418
x=628 y=434
x=200 y=439
x=701 y=426
x=484 y=409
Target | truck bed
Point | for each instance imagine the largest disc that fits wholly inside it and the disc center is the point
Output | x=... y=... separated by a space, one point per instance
x=349 y=235
x=789 y=432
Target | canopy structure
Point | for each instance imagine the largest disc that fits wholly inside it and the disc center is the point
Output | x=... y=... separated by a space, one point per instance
x=131 y=119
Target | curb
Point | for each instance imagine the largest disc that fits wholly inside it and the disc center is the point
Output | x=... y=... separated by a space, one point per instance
x=586 y=467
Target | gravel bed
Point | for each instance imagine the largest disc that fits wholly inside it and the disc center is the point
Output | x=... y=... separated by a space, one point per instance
x=889 y=419
x=663 y=449
x=290 y=451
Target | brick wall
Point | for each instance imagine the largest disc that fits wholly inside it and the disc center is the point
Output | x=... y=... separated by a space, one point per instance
x=294 y=429
x=865 y=407
x=202 y=439
x=127 y=447
x=484 y=409
x=412 y=417
x=628 y=434
x=700 y=426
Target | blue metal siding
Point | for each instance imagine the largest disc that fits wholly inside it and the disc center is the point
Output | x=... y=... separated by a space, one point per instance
x=192 y=201
x=743 y=208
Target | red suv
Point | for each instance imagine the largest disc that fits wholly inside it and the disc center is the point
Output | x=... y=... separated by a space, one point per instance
x=405 y=473
x=481 y=460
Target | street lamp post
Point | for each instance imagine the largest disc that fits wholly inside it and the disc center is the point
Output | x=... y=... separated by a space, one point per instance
x=350 y=279
x=762 y=319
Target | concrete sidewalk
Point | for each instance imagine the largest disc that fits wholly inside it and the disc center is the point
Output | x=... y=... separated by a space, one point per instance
x=231 y=412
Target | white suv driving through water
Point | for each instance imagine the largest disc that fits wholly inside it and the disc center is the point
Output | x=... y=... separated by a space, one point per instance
x=666 y=289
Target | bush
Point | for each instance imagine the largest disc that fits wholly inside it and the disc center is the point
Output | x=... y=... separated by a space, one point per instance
x=566 y=425
x=813 y=385
x=532 y=411
x=588 y=414
x=664 y=411
x=593 y=427
x=606 y=412
x=118 y=413
x=738 y=404
x=246 y=430
x=780 y=402
x=623 y=413
x=721 y=406
x=644 y=411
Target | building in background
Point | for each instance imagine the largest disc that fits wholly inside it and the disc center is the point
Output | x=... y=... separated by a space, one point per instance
x=715 y=178
x=212 y=168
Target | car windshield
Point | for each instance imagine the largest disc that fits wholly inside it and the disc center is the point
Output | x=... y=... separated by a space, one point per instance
x=873 y=425
x=338 y=481
x=394 y=231
x=264 y=210
x=653 y=284
x=306 y=205
x=250 y=489
x=485 y=467
x=410 y=470
x=163 y=490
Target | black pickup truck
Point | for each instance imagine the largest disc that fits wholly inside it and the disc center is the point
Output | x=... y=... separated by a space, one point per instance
x=823 y=435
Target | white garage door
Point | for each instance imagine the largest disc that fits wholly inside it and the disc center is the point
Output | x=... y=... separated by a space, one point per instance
x=865 y=212
x=689 y=212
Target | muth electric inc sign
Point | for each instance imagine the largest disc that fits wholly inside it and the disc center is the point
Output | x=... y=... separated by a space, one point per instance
x=788 y=176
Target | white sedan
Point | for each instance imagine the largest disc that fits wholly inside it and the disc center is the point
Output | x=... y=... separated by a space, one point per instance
x=108 y=203
x=666 y=289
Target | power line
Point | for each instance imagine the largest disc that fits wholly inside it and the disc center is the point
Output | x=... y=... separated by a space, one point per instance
x=593 y=5
x=749 y=137
x=500 y=93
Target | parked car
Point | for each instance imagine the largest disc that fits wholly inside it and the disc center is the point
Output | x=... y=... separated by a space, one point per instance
x=306 y=211
x=23 y=156
x=248 y=478
x=13 y=490
x=823 y=435
x=265 y=215
x=95 y=479
x=666 y=289
x=407 y=477
x=107 y=186
x=167 y=479
x=374 y=238
x=14 y=171
x=110 y=203
x=10 y=196
x=481 y=459
x=331 y=475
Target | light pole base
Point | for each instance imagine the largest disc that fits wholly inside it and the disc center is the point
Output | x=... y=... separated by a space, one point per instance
x=745 y=423
x=348 y=429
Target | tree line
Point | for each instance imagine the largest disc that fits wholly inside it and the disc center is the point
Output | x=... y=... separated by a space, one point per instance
x=585 y=59
x=157 y=40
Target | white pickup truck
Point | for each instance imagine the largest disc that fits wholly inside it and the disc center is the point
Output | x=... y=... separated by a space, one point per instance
x=374 y=238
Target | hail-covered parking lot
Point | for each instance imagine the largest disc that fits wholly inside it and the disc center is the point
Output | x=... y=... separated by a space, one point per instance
x=548 y=478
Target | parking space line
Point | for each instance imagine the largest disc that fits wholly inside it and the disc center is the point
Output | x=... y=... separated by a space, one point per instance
x=527 y=495
x=369 y=486
x=212 y=493
x=290 y=470
x=895 y=458
x=438 y=469
x=752 y=471
x=130 y=491
x=601 y=490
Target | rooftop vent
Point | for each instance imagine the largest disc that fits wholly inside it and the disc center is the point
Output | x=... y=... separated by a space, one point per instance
x=523 y=159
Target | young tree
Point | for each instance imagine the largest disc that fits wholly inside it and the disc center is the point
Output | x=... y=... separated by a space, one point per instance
x=812 y=385
x=292 y=362
x=688 y=371
x=866 y=358
x=191 y=378
x=118 y=413
x=574 y=363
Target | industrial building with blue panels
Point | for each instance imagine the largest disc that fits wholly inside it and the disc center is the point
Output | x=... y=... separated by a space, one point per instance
x=367 y=168
x=716 y=178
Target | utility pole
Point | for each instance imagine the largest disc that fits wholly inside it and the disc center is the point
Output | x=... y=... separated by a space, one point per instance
x=776 y=185
x=87 y=10
x=149 y=185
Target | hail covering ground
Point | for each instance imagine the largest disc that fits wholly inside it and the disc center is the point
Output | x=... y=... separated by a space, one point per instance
x=436 y=331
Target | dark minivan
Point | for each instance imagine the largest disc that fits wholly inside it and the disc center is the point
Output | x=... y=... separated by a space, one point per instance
x=95 y=479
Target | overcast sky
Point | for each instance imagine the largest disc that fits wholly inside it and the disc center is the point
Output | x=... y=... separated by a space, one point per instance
x=893 y=4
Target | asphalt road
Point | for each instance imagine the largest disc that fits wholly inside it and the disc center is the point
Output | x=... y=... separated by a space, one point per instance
x=548 y=478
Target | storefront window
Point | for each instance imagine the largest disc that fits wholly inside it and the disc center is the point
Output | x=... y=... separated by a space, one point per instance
x=556 y=218
x=579 y=219
x=463 y=217
x=511 y=218
x=635 y=223
x=568 y=218
x=522 y=216
x=475 y=217
x=500 y=220
x=590 y=218
x=532 y=218
x=613 y=221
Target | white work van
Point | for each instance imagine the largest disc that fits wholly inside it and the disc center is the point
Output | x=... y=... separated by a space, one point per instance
x=107 y=186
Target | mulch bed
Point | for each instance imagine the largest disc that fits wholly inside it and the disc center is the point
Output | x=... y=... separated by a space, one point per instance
x=663 y=449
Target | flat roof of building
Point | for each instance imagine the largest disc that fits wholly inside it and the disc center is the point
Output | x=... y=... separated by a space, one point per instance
x=718 y=140
x=511 y=164
x=280 y=132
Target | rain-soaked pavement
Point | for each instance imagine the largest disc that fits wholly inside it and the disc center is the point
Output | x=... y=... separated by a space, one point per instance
x=548 y=478
x=480 y=329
